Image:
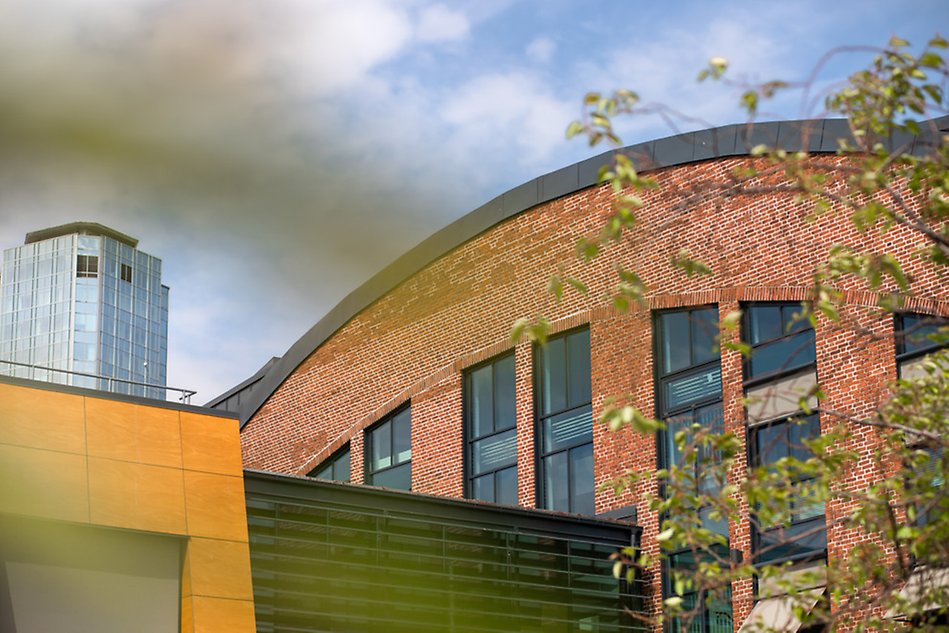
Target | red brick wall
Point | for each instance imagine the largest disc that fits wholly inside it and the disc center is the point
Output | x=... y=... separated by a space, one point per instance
x=414 y=342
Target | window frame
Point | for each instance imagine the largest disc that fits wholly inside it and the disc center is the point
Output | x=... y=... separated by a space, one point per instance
x=753 y=429
x=468 y=430
x=763 y=378
x=903 y=358
x=660 y=379
x=368 y=473
x=540 y=456
x=332 y=462
x=84 y=268
x=899 y=334
x=665 y=412
x=754 y=461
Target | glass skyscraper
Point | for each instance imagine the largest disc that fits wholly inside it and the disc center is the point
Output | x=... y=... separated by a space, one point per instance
x=81 y=298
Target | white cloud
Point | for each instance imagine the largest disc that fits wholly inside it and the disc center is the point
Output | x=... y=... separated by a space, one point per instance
x=438 y=23
x=540 y=50
x=499 y=110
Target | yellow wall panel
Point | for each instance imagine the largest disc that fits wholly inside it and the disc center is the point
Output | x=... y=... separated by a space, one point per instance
x=44 y=484
x=219 y=568
x=213 y=504
x=187 y=615
x=211 y=444
x=133 y=433
x=221 y=615
x=136 y=496
x=42 y=419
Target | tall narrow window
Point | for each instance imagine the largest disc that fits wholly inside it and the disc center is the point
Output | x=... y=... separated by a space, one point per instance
x=336 y=468
x=918 y=335
x=389 y=451
x=87 y=266
x=803 y=536
x=565 y=423
x=125 y=272
x=689 y=375
x=689 y=393
x=489 y=431
x=780 y=372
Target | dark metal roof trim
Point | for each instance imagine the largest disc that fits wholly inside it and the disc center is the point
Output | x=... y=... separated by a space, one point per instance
x=465 y=511
x=119 y=397
x=83 y=228
x=213 y=402
x=821 y=136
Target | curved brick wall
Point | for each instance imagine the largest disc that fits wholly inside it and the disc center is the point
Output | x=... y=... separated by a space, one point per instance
x=413 y=342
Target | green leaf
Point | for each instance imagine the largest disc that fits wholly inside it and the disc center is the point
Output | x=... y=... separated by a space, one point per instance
x=517 y=330
x=576 y=284
x=749 y=100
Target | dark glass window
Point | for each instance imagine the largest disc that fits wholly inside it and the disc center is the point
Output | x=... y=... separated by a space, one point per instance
x=490 y=432
x=689 y=392
x=932 y=476
x=915 y=336
x=389 y=451
x=336 y=468
x=688 y=367
x=803 y=536
x=87 y=266
x=565 y=423
x=715 y=616
x=780 y=341
x=125 y=272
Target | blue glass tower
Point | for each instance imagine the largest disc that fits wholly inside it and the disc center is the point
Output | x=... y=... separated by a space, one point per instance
x=82 y=298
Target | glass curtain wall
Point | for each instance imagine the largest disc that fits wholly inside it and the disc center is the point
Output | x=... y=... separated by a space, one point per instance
x=37 y=290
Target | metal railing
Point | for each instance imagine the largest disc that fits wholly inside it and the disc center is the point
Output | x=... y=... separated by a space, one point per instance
x=110 y=381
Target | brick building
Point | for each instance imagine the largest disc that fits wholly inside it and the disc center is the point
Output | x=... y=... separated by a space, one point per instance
x=413 y=382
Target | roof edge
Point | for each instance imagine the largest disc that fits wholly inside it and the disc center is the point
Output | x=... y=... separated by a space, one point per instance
x=257 y=375
x=811 y=135
x=84 y=228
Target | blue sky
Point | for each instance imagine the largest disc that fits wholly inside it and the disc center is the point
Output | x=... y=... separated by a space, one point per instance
x=277 y=153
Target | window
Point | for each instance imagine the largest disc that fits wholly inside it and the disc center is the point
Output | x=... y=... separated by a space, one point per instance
x=780 y=341
x=389 y=451
x=803 y=536
x=716 y=614
x=689 y=376
x=689 y=392
x=491 y=439
x=916 y=337
x=87 y=266
x=780 y=371
x=565 y=423
x=125 y=272
x=336 y=468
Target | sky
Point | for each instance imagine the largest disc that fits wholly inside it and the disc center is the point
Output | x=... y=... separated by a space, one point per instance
x=275 y=154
